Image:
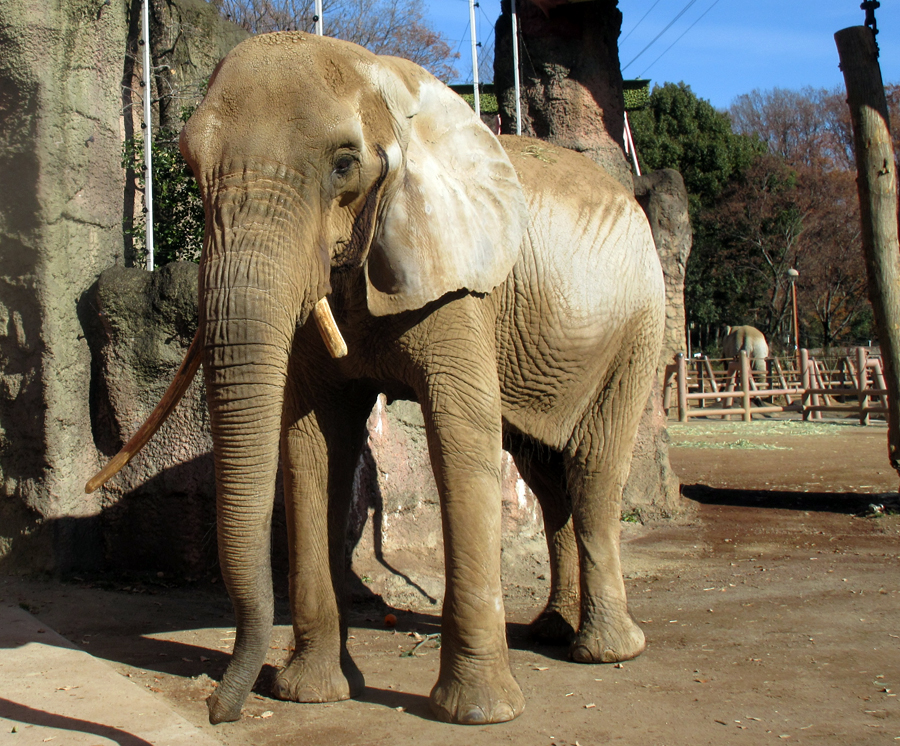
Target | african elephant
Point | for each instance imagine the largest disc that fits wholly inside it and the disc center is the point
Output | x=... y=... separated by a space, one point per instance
x=749 y=339
x=509 y=286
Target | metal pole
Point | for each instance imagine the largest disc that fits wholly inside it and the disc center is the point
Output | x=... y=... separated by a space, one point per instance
x=474 y=58
x=148 y=137
x=681 y=383
x=796 y=316
x=319 y=23
x=629 y=143
x=515 y=35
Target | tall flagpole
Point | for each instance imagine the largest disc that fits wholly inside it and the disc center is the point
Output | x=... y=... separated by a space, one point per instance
x=148 y=137
x=474 y=58
x=515 y=35
x=319 y=23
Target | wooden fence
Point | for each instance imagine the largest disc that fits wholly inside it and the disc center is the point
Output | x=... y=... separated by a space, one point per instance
x=851 y=384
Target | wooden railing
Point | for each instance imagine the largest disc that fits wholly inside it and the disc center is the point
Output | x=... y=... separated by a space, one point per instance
x=804 y=384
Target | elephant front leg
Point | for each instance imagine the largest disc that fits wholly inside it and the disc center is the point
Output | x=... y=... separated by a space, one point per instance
x=461 y=403
x=318 y=475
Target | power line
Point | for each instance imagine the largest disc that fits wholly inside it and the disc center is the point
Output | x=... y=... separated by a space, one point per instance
x=679 y=38
x=656 y=38
x=463 y=39
x=639 y=22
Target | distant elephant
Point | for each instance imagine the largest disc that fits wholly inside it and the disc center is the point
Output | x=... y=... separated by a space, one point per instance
x=749 y=339
x=509 y=286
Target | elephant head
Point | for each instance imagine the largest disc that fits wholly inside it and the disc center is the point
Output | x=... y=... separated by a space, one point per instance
x=312 y=155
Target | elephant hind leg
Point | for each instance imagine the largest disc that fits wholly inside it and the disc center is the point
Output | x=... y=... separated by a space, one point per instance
x=544 y=472
x=597 y=463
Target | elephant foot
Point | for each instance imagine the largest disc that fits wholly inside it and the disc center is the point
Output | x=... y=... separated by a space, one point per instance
x=497 y=700
x=221 y=711
x=554 y=626
x=308 y=679
x=610 y=644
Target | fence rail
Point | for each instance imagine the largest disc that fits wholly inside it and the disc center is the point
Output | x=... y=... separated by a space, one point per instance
x=849 y=384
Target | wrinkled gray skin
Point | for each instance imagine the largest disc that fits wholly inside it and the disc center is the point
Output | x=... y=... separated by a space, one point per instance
x=509 y=286
x=749 y=339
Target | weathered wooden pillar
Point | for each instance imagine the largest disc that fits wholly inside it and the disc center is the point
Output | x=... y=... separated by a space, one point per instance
x=877 y=186
x=862 y=378
x=745 y=385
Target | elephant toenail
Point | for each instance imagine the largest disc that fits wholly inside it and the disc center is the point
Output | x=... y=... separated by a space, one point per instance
x=503 y=713
x=581 y=654
x=474 y=716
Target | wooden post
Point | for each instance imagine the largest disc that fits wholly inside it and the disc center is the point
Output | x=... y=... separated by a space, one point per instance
x=681 y=381
x=815 y=381
x=745 y=384
x=877 y=186
x=879 y=380
x=862 y=378
x=804 y=383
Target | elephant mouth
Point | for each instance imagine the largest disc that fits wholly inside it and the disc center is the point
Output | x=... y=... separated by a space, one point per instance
x=331 y=335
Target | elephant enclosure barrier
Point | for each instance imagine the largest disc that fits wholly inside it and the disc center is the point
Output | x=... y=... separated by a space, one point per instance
x=849 y=384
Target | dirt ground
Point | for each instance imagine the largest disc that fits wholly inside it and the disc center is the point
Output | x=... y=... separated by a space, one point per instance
x=771 y=617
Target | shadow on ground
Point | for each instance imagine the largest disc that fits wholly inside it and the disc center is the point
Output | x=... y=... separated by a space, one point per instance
x=846 y=503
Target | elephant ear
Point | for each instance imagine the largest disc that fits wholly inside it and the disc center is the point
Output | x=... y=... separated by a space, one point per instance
x=452 y=215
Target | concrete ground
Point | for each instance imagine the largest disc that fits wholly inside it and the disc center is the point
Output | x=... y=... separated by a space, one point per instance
x=770 y=617
x=51 y=690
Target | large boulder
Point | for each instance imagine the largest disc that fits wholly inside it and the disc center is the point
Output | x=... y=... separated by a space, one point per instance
x=653 y=489
x=159 y=512
x=664 y=198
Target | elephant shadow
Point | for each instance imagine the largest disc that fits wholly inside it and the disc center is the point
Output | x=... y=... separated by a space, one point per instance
x=847 y=503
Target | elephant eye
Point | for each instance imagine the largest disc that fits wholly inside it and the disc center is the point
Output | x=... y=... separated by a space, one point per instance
x=343 y=165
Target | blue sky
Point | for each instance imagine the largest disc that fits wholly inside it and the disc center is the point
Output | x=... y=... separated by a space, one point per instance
x=738 y=45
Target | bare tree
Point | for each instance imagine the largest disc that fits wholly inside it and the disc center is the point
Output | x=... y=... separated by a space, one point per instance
x=809 y=127
x=394 y=27
x=789 y=122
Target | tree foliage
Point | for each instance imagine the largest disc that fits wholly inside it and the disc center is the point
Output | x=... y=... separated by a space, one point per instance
x=681 y=131
x=772 y=187
x=810 y=131
x=393 y=27
x=178 y=216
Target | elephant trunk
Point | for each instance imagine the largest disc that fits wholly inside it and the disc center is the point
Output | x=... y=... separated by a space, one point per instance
x=248 y=314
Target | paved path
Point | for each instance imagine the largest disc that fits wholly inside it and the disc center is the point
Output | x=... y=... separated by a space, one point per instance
x=53 y=692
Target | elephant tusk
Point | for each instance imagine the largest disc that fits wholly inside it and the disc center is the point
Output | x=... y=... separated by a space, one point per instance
x=173 y=395
x=329 y=330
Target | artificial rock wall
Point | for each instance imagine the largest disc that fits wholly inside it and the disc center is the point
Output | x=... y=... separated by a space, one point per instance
x=60 y=225
x=66 y=79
